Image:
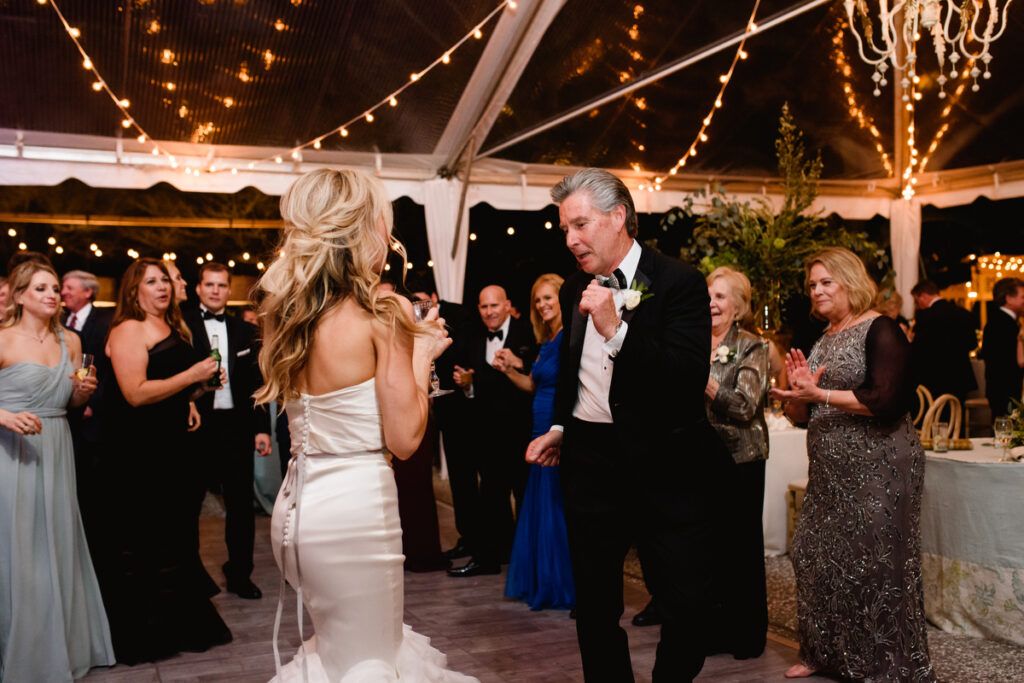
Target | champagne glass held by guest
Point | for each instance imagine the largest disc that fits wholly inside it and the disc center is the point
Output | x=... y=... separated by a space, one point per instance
x=156 y=607
x=854 y=390
x=540 y=568
x=51 y=585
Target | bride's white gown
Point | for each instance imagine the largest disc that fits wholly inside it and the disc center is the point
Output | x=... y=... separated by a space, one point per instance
x=338 y=508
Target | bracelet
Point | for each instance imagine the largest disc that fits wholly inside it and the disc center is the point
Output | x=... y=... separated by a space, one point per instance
x=828 y=395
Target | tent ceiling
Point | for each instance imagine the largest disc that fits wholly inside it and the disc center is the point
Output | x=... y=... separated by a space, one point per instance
x=336 y=58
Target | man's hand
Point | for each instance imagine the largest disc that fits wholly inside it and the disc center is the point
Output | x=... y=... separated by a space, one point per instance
x=545 y=449
x=262 y=444
x=463 y=377
x=599 y=303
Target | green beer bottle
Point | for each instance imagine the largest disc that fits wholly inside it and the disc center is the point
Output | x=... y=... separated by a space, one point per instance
x=215 y=354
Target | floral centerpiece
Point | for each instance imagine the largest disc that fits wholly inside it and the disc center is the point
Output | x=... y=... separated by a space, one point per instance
x=768 y=243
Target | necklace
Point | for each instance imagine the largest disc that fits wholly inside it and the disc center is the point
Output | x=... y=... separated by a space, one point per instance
x=46 y=333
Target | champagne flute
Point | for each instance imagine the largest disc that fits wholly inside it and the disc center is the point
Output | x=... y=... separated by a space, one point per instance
x=420 y=310
x=84 y=369
x=1003 y=429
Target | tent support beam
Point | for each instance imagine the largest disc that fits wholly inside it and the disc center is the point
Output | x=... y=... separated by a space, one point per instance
x=496 y=74
x=659 y=73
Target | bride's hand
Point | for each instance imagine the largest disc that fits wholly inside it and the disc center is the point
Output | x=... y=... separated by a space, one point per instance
x=432 y=337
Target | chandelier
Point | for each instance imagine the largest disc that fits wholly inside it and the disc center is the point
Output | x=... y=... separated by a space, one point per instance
x=960 y=34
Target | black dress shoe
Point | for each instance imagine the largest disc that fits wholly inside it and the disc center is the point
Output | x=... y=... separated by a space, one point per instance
x=245 y=588
x=474 y=568
x=458 y=552
x=648 y=616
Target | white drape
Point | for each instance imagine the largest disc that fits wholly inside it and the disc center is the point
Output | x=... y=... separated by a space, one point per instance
x=905 y=242
x=441 y=204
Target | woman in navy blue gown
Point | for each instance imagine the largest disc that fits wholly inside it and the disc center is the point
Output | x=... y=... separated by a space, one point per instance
x=540 y=572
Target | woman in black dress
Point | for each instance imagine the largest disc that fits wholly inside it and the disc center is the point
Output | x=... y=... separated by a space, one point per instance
x=857 y=547
x=147 y=577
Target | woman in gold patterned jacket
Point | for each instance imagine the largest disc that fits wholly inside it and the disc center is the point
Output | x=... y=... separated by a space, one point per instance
x=735 y=401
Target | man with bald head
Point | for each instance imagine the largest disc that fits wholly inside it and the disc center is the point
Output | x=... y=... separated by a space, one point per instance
x=499 y=418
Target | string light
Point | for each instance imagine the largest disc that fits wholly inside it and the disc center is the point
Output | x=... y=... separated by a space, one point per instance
x=724 y=79
x=51 y=241
x=856 y=111
x=100 y=83
x=12 y=232
x=22 y=246
x=391 y=99
x=59 y=249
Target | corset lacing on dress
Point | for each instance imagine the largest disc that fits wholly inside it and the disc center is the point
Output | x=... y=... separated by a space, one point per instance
x=292 y=490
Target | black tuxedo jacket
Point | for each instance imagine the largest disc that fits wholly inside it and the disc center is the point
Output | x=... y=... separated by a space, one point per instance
x=243 y=369
x=1003 y=377
x=94 y=341
x=494 y=395
x=659 y=376
x=944 y=336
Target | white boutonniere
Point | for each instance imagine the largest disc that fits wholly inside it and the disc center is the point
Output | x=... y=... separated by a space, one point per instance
x=723 y=354
x=635 y=295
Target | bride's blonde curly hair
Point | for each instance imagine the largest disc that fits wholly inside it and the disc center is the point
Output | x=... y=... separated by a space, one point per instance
x=331 y=248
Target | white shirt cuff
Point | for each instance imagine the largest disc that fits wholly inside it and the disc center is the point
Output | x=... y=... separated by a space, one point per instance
x=556 y=428
x=468 y=391
x=614 y=345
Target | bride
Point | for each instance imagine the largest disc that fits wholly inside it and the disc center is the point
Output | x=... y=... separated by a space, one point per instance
x=353 y=371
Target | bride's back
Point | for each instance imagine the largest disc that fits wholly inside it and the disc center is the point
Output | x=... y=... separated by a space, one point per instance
x=342 y=353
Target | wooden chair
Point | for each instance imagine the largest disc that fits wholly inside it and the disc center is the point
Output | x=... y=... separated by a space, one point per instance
x=924 y=402
x=934 y=414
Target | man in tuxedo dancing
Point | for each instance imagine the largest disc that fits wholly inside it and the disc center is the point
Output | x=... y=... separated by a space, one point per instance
x=639 y=461
x=78 y=291
x=499 y=417
x=231 y=424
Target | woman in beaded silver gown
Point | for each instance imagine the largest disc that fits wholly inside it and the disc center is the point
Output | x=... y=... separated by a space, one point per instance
x=856 y=551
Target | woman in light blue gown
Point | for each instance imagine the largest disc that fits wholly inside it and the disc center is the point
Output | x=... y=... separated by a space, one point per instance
x=52 y=623
x=540 y=569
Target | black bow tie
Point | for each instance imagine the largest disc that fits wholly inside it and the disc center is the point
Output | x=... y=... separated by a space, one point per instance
x=219 y=317
x=497 y=334
x=616 y=281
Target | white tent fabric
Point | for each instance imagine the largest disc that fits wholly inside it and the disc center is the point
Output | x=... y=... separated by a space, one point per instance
x=441 y=209
x=905 y=242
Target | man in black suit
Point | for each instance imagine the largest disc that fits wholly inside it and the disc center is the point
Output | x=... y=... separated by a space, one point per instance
x=78 y=291
x=944 y=336
x=499 y=418
x=1002 y=346
x=231 y=426
x=451 y=412
x=639 y=461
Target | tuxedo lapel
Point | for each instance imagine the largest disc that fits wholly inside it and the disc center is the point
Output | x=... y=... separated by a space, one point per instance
x=641 y=278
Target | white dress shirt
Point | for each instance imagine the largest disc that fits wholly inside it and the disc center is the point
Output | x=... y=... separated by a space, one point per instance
x=80 y=317
x=493 y=345
x=221 y=397
x=596 y=363
x=1009 y=312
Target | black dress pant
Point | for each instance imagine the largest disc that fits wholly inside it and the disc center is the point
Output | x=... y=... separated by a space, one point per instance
x=739 y=621
x=225 y=446
x=503 y=475
x=463 y=476
x=611 y=503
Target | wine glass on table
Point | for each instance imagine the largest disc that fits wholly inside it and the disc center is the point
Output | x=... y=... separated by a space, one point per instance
x=420 y=310
x=1003 y=429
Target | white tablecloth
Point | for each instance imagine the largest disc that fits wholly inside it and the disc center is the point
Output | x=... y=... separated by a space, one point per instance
x=787 y=461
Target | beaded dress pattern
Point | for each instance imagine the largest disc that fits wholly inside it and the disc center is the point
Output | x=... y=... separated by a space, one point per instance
x=857 y=547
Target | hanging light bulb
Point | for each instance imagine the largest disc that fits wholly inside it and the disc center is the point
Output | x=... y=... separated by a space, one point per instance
x=86 y=63
x=97 y=86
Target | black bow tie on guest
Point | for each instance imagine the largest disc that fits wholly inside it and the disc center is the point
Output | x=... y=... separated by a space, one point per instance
x=497 y=334
x=219 y=317
x=616 y=281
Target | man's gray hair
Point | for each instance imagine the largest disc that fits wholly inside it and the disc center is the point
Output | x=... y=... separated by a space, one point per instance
x=606 y=192
x=88 y=281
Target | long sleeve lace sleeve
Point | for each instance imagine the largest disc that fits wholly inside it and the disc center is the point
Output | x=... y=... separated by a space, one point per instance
x=888 y=388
